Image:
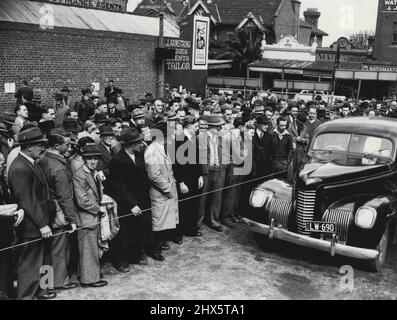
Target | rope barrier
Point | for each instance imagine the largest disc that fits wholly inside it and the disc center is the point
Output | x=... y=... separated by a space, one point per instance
x=145 y=210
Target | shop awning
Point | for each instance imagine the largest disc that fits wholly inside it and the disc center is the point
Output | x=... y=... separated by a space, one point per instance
x=31 y=12
x=298 y=67
x=219 y=64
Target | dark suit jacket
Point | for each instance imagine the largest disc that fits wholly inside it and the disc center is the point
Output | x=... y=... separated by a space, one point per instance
x=30 y=190
x=129 y=182
x=103 y=164
x=263 y=149
x=115 y=114
x=189 y=170
x=110 y=93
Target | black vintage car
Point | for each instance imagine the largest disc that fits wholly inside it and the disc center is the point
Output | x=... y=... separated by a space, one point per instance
x=344 y=196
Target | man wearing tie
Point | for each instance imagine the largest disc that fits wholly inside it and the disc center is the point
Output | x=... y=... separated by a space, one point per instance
x=263 y=148
x=214 y=156
x=29 y=188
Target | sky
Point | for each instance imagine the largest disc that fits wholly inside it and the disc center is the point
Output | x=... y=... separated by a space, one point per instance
x=343 y=17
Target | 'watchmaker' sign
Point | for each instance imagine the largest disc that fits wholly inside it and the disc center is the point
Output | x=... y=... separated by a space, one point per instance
x=107 y=5
x=390 y=5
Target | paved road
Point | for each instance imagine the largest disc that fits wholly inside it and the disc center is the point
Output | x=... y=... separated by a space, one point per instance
x=232 y=266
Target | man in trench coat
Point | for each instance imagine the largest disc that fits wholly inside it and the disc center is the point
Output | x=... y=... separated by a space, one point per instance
x=163 y=191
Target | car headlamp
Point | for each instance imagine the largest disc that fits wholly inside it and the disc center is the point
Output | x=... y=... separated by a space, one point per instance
x=259 y=197
x=365 y=217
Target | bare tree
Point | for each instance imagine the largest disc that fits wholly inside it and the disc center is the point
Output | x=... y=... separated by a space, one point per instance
x=359 y=39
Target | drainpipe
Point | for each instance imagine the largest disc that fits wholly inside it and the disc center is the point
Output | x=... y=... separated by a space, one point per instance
x=161 y=80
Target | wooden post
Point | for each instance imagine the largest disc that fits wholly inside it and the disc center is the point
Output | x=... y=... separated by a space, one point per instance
x=359 y=89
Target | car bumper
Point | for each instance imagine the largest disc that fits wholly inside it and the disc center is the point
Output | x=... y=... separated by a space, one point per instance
x=328 y=246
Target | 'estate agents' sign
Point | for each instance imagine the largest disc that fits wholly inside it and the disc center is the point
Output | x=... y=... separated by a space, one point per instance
x=107 y=5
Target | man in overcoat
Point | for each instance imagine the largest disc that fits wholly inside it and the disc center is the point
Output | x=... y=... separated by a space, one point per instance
x=30 y=190
x=59 y=179
x=163 y=192
x=130 y=189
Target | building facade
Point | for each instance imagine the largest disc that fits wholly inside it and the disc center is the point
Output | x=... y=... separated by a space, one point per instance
x=80 y=46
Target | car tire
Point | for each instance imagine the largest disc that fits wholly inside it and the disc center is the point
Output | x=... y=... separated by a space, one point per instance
x=377 y=264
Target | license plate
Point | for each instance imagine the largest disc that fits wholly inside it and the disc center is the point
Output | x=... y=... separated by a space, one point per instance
x=322 y=227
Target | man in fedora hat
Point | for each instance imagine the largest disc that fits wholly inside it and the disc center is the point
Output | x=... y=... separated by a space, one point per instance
x=30 y=189
x=88 y=192
x=130 y=189
x=59 y=178
x=189 y=177
x=263 y=148
x=73 y=126
x=106 y=147
x=214 y=158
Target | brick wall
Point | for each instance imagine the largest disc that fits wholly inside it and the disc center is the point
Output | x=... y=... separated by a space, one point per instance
x=51 y=59
x=305 y=36
x=384 y=49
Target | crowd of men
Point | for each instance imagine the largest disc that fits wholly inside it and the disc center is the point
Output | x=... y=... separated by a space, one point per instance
x=108 y=178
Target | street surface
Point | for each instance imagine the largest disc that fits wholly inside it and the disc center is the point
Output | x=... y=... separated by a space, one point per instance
x=231 y=266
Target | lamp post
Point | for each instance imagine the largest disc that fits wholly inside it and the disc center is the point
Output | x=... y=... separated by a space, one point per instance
x=336 y=66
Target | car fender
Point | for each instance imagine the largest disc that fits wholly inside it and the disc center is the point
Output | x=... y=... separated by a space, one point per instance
x=385 y=208
x=280 y=188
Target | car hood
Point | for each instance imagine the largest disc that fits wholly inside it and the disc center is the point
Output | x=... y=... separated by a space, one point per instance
x=318 y=172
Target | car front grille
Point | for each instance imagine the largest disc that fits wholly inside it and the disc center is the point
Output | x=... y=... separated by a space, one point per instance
x=305 y=206
x=280 y=211
x=342 y=219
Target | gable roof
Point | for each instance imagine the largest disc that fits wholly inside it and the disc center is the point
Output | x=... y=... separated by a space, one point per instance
x=234 y=11
x=230 y=12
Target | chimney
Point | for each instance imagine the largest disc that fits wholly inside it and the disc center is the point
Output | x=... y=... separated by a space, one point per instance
x=311 y=16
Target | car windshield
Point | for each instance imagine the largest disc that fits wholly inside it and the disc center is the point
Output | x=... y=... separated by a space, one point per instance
x=352 y=149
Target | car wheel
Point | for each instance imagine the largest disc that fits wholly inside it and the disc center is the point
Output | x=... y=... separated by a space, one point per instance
x=377 y=264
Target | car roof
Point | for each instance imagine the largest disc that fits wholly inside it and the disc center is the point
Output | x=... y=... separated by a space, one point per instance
x=383 y=127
